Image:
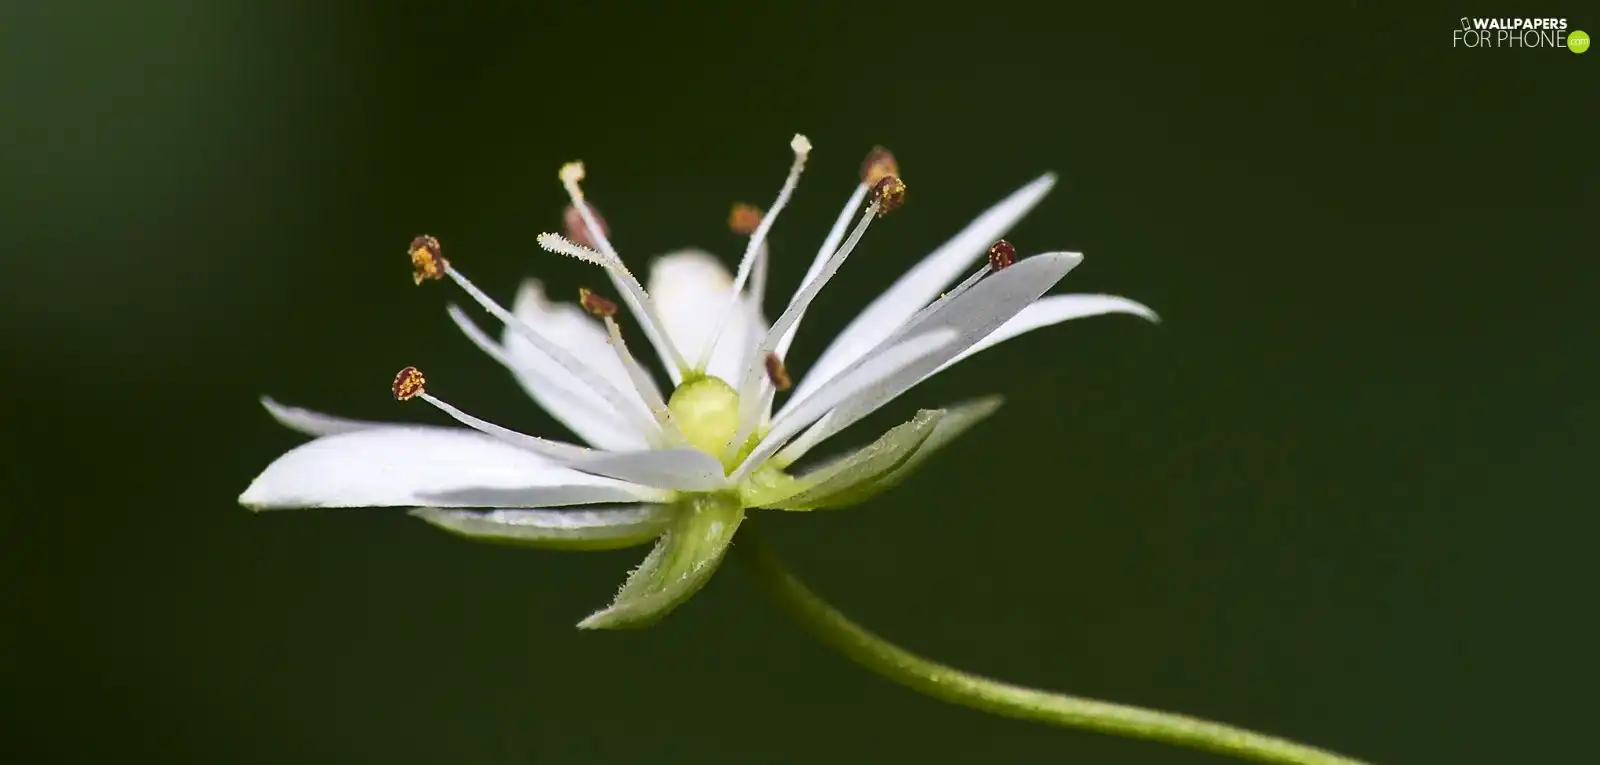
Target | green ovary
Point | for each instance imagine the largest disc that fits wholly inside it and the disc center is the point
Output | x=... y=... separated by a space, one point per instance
x=707 y=411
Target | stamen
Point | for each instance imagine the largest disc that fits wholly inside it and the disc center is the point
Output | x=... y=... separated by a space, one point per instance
x=879 y=164
x=1001 y=255
x=776 y=373
x=642 y=383
x=750 y=395
x=756 y=290
x=889 y=193
x=841 y=224
x=427 y=260
x=744 y=218
x=673 y=469
x=585 y=374
x=604 y=309
x=553 y=449
x=743 y=221
x=944 y=297
x=802 y=149
x=577 y=230
x=627 y=285
x=595 y=305
x=408 y=384
x=555 y=386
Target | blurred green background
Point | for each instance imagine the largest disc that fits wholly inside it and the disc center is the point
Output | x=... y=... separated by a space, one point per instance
x=1338 y=495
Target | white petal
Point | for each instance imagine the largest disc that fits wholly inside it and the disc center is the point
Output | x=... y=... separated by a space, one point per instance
x=860 y=380
x=680 y=469
x=971 y=316
x=576 y=406
x=316 y=423
x=568 y=326
x=597 y=528
x=1054 y=310
x=691 y=289
x=427 y=466
x=921 y=284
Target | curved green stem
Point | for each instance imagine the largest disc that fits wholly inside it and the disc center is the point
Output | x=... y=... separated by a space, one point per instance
x=981 y=693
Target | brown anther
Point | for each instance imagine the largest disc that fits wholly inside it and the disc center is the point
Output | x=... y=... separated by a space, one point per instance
x=744 y=218
x=889 y=193
x=408 y=384
x=427 y=260
x=597 y=306
x=1001 y=255
x=578 y=231
x=878 y=165
x=776 y=373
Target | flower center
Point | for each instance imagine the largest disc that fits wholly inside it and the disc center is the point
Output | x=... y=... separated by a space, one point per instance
x=707 y=411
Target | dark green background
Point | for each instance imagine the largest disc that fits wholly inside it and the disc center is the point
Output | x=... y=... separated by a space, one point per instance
x=1342 y=494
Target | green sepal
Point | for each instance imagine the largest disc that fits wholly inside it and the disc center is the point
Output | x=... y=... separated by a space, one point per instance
x=957 y=420
x=954 y=421
x=579 y=528
x=840 y=482
x=685 y=556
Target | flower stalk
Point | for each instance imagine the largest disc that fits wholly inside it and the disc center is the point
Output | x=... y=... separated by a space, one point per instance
x=956 y=686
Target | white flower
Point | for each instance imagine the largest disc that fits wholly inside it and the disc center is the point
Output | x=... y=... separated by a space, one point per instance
x=683 y=468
